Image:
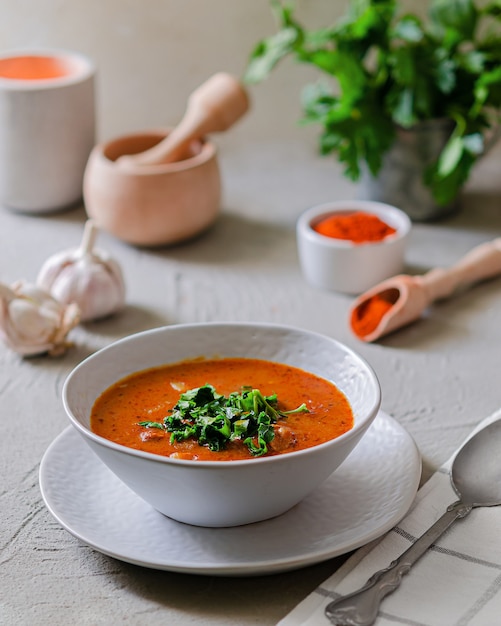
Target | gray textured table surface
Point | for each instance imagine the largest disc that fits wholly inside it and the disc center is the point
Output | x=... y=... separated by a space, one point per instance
x=439 y=377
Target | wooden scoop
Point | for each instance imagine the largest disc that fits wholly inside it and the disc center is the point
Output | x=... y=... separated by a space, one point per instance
x=402 y=299
x=213 y=107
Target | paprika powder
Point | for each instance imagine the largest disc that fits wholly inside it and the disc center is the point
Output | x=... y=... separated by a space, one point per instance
x=357 y=227
x=366 y=318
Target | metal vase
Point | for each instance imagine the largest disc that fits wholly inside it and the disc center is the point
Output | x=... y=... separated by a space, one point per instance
x=400 y=180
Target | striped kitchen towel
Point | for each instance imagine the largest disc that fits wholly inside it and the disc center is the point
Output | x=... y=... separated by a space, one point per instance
x=456 y=583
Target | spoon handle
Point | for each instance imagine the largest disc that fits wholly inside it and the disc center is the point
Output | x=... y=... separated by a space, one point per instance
x=482 y=262
x=361 y=607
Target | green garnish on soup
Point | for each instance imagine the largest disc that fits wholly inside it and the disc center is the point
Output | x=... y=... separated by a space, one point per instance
x=213 y=419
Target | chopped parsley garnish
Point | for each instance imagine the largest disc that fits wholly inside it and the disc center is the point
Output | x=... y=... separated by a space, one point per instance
x=213 y=419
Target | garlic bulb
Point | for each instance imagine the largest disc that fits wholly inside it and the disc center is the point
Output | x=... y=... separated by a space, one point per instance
x=86 y=277
x=33 y=322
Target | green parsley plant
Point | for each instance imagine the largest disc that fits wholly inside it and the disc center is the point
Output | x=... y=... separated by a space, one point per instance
x=385 y=69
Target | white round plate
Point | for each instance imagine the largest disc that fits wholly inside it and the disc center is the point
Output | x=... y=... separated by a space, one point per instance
x=365 y=497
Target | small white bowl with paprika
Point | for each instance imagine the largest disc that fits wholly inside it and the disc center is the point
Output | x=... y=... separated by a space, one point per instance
x=351 y=245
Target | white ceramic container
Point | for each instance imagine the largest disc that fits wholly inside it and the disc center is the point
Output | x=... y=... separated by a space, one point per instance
x=218 y=493
x=343 y=266
x=47 y=128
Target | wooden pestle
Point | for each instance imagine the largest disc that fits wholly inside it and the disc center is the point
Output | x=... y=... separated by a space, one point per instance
x=213 y=107
x=409 y=296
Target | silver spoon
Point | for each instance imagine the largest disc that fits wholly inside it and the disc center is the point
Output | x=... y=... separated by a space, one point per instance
x=476 y=478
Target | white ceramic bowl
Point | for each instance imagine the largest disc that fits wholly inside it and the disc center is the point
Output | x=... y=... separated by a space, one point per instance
x=219 y=493
x=346 y=267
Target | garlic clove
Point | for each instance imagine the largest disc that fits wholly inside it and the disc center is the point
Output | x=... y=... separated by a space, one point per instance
x=85 y=276
x=92 y=285
x=32 y=322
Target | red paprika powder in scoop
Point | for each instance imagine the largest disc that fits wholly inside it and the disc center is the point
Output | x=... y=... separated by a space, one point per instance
x=357 y=227
x=366 y=318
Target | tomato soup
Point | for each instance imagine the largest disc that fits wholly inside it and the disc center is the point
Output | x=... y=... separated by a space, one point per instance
x=132 y=411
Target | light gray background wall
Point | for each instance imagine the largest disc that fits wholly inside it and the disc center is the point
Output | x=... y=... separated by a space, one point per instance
x=151 y=53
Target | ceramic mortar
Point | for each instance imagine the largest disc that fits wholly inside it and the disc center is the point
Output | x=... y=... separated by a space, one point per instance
x=152 y=205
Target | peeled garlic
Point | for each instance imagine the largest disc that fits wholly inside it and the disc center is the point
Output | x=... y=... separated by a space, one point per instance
x=33 y=322
x=85 y=276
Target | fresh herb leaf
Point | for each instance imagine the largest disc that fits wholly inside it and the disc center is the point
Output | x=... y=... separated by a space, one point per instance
x=151 y=425
x=450 y=157
x=458 y=15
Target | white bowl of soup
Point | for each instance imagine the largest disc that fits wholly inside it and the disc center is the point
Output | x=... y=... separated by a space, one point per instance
x=223 y=424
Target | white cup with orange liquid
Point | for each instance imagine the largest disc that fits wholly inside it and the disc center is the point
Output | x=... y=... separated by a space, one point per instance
x=47 y=128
